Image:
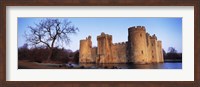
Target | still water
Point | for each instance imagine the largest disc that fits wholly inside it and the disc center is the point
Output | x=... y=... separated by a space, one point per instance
x=133 y=66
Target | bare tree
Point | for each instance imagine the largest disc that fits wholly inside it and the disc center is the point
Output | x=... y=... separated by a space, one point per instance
x=50 y=32
x=172 y=50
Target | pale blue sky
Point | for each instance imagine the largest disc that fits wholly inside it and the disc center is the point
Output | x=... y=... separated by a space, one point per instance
x=168 y=30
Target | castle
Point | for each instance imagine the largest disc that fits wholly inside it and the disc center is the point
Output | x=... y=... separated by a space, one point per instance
x=141 y=48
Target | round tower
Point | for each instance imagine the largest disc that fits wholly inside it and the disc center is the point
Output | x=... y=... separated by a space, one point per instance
x=137 y=45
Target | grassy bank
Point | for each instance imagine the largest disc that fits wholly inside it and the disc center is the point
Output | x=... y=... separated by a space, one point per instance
x=25 y=64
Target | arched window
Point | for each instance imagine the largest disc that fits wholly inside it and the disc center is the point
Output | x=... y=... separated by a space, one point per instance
x=142 y=51
x=140 y=35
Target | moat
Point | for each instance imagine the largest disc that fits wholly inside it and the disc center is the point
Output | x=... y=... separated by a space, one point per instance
x=24 y=64
x=167 y=65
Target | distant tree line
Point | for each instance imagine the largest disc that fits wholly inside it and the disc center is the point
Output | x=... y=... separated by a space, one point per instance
x=172 y=55
x=40 y=54
x=61 y=55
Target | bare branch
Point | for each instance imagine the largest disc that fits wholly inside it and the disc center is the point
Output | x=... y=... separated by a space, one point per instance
x=50 y=31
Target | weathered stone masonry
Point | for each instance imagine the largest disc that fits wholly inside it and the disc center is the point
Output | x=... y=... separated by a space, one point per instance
x=141 y=48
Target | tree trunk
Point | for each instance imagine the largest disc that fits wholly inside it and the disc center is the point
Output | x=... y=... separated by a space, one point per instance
x=50 y=55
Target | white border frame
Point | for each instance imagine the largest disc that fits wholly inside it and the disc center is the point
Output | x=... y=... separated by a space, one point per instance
x=184 y=74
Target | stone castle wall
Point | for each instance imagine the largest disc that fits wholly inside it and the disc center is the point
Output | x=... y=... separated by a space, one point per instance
x=94 y=54
x=119 y=52
x=141 y=48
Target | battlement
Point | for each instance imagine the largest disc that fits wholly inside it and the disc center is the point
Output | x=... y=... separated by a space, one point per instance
x=159 y=41
x=87 y=38
x=120 y=43
x=104 y=35
x=153 y=37
x=82 y=40
x=137 y=28
x=148 y=34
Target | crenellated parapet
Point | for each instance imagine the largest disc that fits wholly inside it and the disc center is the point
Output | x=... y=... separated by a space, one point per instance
x=86 y=39
x=153 y=37
x=103 y=35
x=120 y=43
x=137 y=28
